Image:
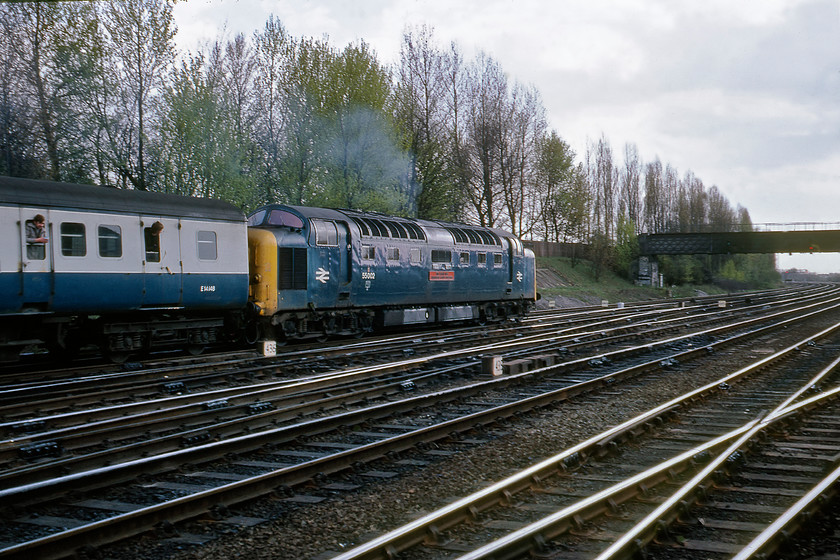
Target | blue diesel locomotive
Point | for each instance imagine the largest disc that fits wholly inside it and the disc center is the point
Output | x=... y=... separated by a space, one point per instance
x=133 y=271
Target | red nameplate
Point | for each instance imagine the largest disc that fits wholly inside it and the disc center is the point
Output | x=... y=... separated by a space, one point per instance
x=441 y=275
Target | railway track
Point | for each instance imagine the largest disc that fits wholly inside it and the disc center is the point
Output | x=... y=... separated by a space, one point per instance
x=306 y=456
x=88 y=390
x=716 y=473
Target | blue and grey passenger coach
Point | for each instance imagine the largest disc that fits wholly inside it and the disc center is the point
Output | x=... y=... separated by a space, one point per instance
x=123 y=269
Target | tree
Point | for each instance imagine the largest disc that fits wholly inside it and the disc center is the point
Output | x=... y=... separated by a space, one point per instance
x=40 y=39
x=603 y=182
x=521 y=127
x=273 y=48
x=656 y=209
x=487 y=89
x=630 y=205
x=18 y=154
x=364 y=167
x=419 y=109
x=455 y=142
x=626 y=246
x=200 y=151
x=555 y=178
x=141 y=34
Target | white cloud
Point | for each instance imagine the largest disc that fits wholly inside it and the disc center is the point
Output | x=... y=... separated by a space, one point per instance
x=744 y=94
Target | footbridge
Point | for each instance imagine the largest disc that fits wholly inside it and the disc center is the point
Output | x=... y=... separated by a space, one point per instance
x=721 y=243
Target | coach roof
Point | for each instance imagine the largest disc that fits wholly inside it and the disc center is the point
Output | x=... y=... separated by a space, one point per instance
x=49 y=194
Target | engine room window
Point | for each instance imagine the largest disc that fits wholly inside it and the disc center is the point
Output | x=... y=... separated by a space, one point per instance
x=326 y=234
x=414 y=255
x=393 y=254
x=482 y=259
x=377 y=228
x=110 y=241
x=368 y=252
x=464 y=258
x=414 y=231
x=206 y=241
x=441 y=256
x=497 y=259
x=362 y=226
x=396 y=229
x=73 y=240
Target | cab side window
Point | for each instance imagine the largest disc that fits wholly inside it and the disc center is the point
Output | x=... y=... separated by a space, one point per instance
x=326 y=234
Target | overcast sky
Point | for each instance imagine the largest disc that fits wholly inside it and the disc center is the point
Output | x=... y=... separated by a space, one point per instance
x=744 y=93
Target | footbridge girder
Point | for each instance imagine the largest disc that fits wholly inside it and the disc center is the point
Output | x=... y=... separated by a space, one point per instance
x=722 y=243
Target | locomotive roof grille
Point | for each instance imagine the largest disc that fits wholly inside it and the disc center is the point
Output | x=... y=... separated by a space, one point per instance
x=474 y=236
x=374 y=227
x=374 y=224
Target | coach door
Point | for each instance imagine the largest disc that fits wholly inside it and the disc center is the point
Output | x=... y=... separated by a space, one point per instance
x=162 y=267
x=36 y=259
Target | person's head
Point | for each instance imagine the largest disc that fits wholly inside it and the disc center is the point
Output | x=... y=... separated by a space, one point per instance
x=39 y=219
x=156 y=228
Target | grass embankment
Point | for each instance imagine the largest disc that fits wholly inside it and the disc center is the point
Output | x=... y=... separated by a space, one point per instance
x=571 y=286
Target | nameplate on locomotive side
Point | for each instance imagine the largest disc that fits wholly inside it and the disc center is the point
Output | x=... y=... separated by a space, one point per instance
x=441 y=275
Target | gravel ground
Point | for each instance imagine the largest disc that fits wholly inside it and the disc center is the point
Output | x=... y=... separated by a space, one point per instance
x=349 y=518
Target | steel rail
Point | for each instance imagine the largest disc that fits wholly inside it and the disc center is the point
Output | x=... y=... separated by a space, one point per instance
x=239 y=490
x=644 y=531
x=387 y=546
x=257 y=439
x=769 y=540
x=287 y=388
x=190 y=506
x=198 y=399
x=24 y=392
x=521 y=541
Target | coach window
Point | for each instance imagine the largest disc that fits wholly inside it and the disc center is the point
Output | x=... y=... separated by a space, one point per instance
x=110 y=241
x=393 y=254
x=151 y=240
x=497 y=259
x=73 y=240
x=482 y=259
x=206 y=245
x=414 y=255
x=326 y=234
